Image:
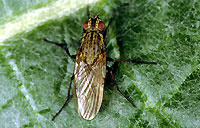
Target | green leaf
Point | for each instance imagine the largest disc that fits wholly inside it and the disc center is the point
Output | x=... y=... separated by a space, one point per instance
x=34 y=75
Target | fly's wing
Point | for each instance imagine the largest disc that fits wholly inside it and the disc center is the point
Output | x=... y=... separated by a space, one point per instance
x=89 y=85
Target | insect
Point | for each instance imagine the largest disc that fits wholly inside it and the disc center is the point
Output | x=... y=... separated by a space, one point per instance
x=90 y=68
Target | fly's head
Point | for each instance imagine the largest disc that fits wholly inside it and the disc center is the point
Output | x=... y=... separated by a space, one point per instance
x=93 y=24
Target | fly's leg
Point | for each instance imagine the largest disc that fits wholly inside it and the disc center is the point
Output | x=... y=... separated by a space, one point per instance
x=116 y=61
x=117 y=88
x=63 y=46
x=88 y=12
x=111 y=19
x=66 y=102
x=129 y=60
x=105 y=33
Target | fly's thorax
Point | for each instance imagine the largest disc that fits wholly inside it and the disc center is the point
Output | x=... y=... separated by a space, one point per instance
x=92 y=46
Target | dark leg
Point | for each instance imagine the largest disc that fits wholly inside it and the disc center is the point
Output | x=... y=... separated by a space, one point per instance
x=66 y=102
x=116 y=61
x=122 y=60
x=129 y=60
x=111 y=19
x=63 y=46
x=88 y=12
x=117 y=88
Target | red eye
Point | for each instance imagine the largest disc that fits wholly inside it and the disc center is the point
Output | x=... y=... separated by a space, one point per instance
x=101 y=25
x=85 y=25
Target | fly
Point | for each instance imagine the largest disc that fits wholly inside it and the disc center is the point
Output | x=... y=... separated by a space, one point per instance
x=90 y=68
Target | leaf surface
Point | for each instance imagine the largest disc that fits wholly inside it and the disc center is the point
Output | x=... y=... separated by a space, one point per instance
x=34 y=75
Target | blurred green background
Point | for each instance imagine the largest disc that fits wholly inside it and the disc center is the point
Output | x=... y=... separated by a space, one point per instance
x=34 y=75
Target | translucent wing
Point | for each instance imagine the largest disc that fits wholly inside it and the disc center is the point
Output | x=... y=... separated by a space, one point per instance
x=89 y=85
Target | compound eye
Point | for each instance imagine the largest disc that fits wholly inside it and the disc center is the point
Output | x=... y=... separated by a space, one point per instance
x=101 y=25
x=85 y=25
